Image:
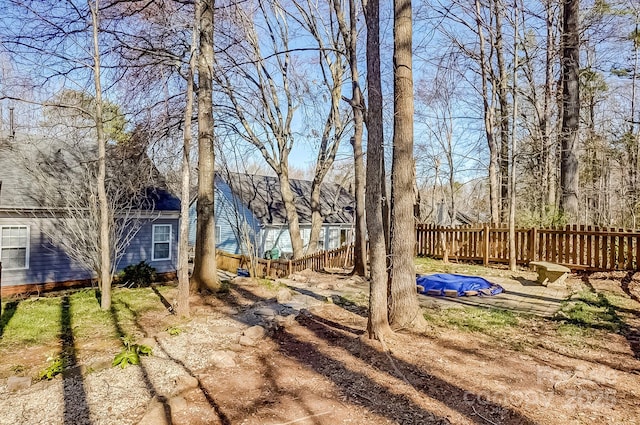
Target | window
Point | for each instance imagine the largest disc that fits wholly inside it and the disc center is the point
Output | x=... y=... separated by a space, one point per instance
x=161 y=249
x=14 y=247
x=344 y=237
x=218 y=235
x=334 y=238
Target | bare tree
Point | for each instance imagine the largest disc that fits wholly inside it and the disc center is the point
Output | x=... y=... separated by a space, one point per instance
x=331 y=64
x=378 y=322
x=182 y=300
x=512 y=158
x=404 y=309
x=570 y=109
x=261 y=96
x=205 y=274
x=350 y=36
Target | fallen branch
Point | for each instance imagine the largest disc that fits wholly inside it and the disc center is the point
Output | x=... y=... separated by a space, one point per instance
x=478 y=414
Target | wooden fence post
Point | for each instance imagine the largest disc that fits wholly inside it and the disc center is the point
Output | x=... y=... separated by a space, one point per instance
x=268 y=267
x=485 y=254
x=533 y=243
x=290 y=268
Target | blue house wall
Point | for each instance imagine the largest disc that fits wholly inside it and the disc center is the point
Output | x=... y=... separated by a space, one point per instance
x=140 y=248
x=48 y=261
x=231 y=216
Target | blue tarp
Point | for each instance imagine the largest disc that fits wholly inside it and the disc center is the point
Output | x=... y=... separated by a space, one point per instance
x=457 y=282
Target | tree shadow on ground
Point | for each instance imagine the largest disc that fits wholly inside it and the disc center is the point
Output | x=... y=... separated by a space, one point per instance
x=224 y=420
x=76 y=407
x=526 y=282
x=7 y=314
x=163 y=300
x=366 y=391
x=631 y=333
x=145 y=374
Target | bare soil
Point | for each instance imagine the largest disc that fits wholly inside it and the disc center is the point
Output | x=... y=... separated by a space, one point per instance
x=320 y=369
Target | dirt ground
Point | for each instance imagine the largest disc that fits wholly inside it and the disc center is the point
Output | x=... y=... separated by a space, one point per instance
x=314 y=366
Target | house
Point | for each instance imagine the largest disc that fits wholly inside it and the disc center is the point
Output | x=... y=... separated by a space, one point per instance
x=44 y=215
x=250 y=208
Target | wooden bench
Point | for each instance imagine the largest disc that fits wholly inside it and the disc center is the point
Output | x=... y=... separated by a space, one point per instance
x=550 y=273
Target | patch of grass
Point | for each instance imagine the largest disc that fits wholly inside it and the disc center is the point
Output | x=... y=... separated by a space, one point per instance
x=589 y=311
x=425 y=265
x=37 y=321
x=272 y=285
x=474 y=319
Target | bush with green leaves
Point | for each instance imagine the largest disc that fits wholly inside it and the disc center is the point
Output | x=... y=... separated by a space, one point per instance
x=131 y=353
x=137 y=275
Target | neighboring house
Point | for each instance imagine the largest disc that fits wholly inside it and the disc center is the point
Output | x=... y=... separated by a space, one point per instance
x=37 y=178
x=443 y=216
x=250 y=207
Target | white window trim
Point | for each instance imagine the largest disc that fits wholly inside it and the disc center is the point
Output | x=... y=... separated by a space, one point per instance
x=28 y=247
x=153 y=242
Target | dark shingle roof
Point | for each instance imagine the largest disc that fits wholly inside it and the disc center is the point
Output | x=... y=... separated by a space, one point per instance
x=39 y=173
x=261 y=194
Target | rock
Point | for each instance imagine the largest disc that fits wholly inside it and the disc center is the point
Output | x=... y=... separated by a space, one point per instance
x=298 y=278
x=246 y=281
x=235 y=346
x=230 y=311
x=283 y=296
x=323 y=286
x=265 y=312
x=286 y=321
x=155 y=414
x=246 y=341
x=255 y=332
x=224 y=359
x=185 y=383
x=177 y=404
x=17 y=383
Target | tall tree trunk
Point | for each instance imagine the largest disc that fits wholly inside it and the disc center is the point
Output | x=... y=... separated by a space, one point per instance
x=182 y=299
x=104 y=216
x=360 y=245
x=548 y=159
x=205 y=273
x=316 y=215
x=350 y=36
x=514 y=116
x=489 y=124
x=290 y=209
x=570 y=111
x=502 y=91
x=378 y=323
x=404 y=309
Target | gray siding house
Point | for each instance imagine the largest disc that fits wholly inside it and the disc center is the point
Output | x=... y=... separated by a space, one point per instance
x=32 y=246
x=250 y=207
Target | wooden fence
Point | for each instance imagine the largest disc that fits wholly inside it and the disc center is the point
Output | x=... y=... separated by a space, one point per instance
x=337 y=258
x=577 y=247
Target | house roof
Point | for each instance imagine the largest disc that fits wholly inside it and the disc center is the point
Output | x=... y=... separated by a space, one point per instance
x=262 y=196
x=36 y=173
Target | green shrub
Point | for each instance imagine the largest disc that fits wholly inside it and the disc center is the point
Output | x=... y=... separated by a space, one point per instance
x=141 y=274
x=131 y=353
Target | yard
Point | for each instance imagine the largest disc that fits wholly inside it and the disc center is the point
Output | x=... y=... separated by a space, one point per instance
x=475 y=365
